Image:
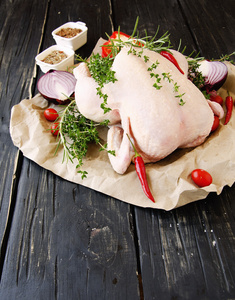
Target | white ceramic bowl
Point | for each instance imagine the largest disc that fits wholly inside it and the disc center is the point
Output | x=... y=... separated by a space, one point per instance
x=74 y=42
x=62 y=66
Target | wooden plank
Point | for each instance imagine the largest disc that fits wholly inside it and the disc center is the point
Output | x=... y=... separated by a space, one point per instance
x=17 y=66
x=189 y=253
x=211 y=25
x=97 y=16
x=153 y=14
x=67 y=241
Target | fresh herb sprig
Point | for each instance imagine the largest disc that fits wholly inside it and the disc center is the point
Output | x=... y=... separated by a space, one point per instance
x=227 y=57
x=76 y=133
x=100 y=69
x=152 y=43
x=195 y=76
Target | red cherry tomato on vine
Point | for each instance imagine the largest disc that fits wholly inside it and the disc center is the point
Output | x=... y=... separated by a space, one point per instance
x=51 y=114
x=201 y=177
x=55 y=128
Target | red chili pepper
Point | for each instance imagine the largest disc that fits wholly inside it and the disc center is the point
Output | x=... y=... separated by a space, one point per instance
x=229 y=107
x=141 y=172
x=171 y=58
x=215 y=123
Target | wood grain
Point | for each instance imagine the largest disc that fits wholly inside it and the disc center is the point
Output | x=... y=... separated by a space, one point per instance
x=60 y=240
x=70 y=235
x=16 y=72
x=186 y=258
x=60 y=230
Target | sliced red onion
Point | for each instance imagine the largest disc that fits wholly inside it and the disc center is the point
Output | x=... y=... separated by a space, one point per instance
x=57 y=86
x=215 y=73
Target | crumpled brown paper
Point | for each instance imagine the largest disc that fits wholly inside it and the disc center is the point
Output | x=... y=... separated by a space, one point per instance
x=169 y=179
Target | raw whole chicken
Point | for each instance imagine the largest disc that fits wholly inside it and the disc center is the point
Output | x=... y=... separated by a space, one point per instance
x=158 y=120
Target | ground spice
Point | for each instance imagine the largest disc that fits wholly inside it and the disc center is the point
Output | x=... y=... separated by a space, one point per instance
x=68 y=32
x=54 y=57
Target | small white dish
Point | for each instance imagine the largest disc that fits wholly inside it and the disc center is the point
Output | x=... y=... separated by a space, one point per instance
x=74 y=42
x=62 y=66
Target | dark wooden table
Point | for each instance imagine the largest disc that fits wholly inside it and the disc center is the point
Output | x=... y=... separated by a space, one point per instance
x=60 y=240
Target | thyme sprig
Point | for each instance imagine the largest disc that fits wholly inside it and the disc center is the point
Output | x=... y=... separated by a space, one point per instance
x=227 y=57
x=76 y=133
x=100 y=70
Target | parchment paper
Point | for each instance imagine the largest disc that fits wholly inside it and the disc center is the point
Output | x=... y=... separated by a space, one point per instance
x=169 y=179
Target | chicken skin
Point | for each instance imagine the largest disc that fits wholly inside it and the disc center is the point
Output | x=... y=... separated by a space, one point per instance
x=151 y=102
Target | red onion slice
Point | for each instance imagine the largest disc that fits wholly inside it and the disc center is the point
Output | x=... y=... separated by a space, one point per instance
x=215 y=73
x=57 y=86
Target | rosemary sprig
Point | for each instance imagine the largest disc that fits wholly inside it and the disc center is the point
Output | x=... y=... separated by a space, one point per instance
x=151 y=43
x=135 y=41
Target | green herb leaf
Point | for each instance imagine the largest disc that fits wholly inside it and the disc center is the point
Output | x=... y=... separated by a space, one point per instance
x=100 y=69
x=76 y=133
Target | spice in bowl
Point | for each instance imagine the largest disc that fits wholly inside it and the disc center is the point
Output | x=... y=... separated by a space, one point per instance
x=55 y=57
x=68 y=32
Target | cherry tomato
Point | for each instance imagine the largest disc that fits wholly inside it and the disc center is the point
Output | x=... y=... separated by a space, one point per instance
x=217 y=98
x=55 y=128
x=51 y=114
x=201 y=177
x=215 y=124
